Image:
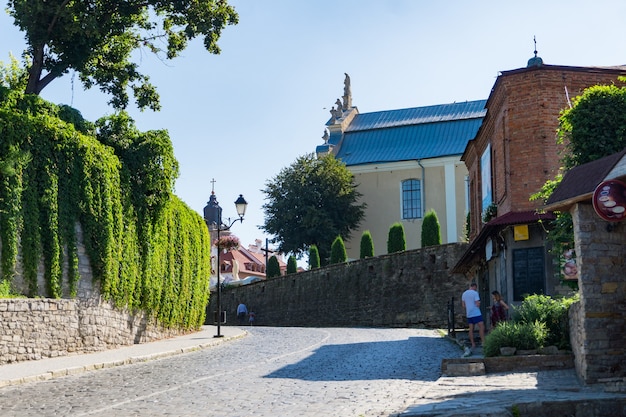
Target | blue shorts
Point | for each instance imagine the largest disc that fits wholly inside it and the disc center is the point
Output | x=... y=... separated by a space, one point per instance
x=475 y=319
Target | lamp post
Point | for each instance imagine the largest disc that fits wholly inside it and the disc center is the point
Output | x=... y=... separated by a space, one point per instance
x=213 y=217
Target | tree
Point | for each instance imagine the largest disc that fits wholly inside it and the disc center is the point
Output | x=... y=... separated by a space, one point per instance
x=311 y=202
x=314 y=257
x=338 y=253
x=367 y=245
x=292 y=265
x=97 y=39
x=431 y=233
x=595 y=126
x=395 y=240
x=273 y=267
x=12 y=75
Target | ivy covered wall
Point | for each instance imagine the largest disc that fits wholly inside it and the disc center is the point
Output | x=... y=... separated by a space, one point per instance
x=147 y=249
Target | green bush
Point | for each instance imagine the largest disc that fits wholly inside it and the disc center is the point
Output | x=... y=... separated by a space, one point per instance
x=292 y=265
x=396 y=241
x=523 y=336
x=273 y=267
x=367 y=245
x=431 y=232
x=552 y=312
x=338 y=252
x=314 y=257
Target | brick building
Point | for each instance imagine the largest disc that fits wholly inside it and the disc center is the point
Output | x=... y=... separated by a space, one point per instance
x=513 y=154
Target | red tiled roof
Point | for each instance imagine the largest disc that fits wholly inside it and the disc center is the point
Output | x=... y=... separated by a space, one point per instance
x=494 y=226
x=519 y=217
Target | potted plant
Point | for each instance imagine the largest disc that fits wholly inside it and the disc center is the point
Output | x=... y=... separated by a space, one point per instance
x=227 y=243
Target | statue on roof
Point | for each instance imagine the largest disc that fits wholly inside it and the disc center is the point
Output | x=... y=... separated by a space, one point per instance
x=336 y=114
x=325 y=137
x=347 y=93
x=339 y=105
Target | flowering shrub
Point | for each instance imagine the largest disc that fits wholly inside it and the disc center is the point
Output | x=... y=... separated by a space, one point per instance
x=227 y=242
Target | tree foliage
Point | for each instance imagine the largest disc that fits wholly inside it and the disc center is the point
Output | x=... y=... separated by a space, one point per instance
x=314 y=257
x=292 y=265
x=311 y=202
x=13 y=75
x=431 y=232
x=366 y=248
x=595 y=126
x=273 y=267
x=338 y=252
x=97 y=39
x=396 y=242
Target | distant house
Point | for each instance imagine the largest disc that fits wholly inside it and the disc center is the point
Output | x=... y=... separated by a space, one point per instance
x=405 y=162
x=236 y=266
x=513 y=154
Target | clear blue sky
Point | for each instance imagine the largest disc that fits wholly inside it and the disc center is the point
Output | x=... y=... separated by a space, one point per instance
x=242 y=116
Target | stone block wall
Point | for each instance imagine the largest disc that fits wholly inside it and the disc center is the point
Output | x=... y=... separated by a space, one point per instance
x=410 y=288
x=32 y=329
x=598 y=323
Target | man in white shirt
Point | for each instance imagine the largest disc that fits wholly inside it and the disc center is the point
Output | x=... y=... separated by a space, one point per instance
x=471 y=302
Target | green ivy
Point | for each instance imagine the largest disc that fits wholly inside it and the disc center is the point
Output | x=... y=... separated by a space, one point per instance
x=146 y=248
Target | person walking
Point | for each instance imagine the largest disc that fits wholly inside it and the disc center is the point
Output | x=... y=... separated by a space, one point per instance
x=242 y=312
x=498 y=309
x=471 y=302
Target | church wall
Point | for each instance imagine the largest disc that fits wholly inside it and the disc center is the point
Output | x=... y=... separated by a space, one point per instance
x=382 y=187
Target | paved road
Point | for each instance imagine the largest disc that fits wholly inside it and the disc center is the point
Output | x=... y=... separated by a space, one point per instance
x=271 y=372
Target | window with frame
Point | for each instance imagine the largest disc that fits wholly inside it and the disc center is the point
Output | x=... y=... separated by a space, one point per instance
x=411 y=199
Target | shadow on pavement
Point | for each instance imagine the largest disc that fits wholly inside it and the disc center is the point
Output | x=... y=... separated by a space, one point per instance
x=417 y=358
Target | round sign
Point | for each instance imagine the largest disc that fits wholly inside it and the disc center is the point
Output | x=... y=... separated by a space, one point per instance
x=609 y=200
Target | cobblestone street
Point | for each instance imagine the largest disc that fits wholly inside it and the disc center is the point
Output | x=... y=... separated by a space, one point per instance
x=270 y=372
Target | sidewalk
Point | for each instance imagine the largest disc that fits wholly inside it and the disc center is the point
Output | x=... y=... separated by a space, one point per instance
x=29 y=371
x=546 y=393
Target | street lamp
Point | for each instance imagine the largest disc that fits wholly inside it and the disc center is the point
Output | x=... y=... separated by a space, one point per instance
x=213 y=217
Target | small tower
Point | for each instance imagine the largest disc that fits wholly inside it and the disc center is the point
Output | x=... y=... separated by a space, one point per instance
x=212 y=210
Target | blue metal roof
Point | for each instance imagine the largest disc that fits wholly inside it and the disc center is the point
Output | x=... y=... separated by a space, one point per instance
x=409 y=134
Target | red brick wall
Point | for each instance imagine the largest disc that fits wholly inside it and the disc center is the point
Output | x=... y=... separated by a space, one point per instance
x=521 y=125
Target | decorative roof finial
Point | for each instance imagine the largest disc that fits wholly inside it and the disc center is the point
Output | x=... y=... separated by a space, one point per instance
x=347 y=93
x=535 y=61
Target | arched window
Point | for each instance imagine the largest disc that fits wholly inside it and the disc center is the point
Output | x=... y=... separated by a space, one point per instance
x=411 y=199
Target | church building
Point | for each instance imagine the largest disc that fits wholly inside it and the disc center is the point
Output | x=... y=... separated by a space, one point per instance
x=405 y=163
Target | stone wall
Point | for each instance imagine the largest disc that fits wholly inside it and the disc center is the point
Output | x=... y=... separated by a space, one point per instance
x=410 y=288
x=32 y=329
x=598 y=323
